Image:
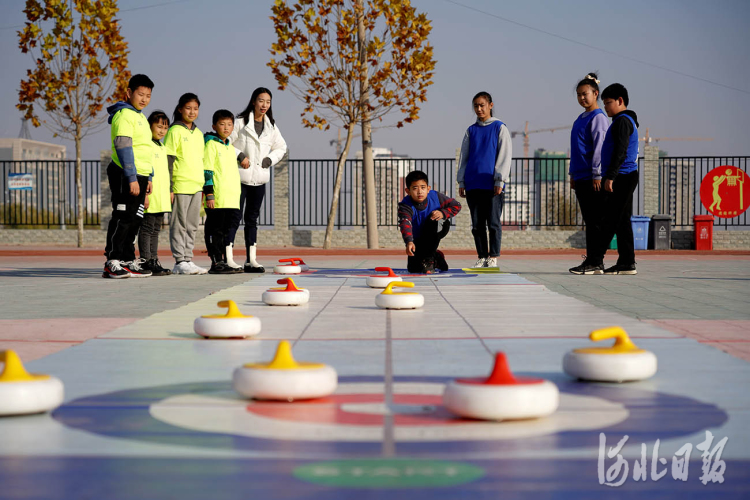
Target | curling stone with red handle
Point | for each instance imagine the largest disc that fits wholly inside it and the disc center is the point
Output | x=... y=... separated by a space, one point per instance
x=502 y=396
x=380 y=281
x=287 y=266
x=289 y=296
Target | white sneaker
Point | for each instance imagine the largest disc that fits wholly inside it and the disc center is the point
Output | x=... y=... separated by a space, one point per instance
x=182 y=268
x=491 y=262
x=196 y=269
x=480 y=263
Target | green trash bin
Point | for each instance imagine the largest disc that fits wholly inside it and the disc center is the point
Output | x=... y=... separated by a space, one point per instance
x=613 y=243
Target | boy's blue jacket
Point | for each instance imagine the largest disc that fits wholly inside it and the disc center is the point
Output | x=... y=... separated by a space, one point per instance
x=620 y=148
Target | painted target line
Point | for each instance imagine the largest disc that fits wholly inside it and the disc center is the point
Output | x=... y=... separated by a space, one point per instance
x=363 y=273
x=211 y=415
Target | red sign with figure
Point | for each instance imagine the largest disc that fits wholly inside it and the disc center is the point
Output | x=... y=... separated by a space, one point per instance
x=725 y=191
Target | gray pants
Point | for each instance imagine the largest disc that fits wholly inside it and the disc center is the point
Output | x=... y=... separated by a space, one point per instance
x=183 y=224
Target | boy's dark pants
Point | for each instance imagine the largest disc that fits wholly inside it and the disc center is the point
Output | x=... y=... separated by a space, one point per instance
x=617 y=210
x=486 y=209
x=127 y=215
x=251 y=198
x=590 y=202
x=426 y=244
x=216 y=229
x=148 y=236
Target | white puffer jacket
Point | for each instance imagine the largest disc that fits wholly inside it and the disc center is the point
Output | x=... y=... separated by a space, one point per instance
x=270 y=144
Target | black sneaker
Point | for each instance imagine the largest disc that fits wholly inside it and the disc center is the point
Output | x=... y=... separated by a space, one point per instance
x=220 y=268
x=621 y=269
x=440 y=262
x=114 y=270
x=587 y=267
x=429 y=266
x=136 y=269
x=250 y=269
x=154 y=266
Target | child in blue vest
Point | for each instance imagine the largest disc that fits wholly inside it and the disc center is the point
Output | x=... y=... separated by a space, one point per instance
x=586 y=141
x=620 y=176
x=424 y=219
x=483 y=170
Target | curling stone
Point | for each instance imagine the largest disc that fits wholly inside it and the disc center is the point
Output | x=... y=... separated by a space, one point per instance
x=289 y=268
x=502 y=396
x=388 y=299
x=23 y=393
x=233 y=324
x=301 y=264
x=285 y=379
x=622 y=362
x=289 y=296
x=380 y=281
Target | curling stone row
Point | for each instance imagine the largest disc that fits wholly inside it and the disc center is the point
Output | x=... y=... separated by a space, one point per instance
x=284 y=379
x=289 y=296
x=388 y=299
x=24 y=393
x=294 y=265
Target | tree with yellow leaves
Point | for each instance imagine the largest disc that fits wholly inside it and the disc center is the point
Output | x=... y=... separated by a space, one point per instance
x=353 y=61
x=80 y=64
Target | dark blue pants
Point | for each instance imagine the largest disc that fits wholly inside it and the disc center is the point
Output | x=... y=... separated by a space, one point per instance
x=616 y=212
x=251 y=198
x=486 y=209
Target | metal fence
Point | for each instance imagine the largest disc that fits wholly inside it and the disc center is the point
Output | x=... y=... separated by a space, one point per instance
x=538 y=193
x=679 y=188
x=52 y=200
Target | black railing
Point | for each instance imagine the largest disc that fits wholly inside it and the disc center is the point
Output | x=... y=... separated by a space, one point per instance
x=52 y=201
x=537 y=195
x=679 y=188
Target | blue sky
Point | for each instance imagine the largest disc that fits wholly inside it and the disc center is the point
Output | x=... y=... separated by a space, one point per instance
x=219 y=50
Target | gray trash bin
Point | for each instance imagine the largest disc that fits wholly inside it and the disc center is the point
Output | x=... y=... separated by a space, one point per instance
x=660 y=237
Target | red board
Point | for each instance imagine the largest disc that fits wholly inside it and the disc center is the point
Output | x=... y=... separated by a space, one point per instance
x=725 y=191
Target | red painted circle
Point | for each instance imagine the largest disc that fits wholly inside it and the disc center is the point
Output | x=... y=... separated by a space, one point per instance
x=725 y=191
x=328 y=410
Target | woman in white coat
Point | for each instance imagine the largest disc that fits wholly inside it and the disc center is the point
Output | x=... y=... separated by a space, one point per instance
x=259 y=147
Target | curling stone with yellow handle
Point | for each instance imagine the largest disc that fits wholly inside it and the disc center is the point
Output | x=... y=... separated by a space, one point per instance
x=388 y=299
x=233 y=324
x=623 y=362
x=23 y=393
x=301 y=264
x=285 y=379
x=380 y=281
x=287 y=266
x=501 y=396
x=289 y=296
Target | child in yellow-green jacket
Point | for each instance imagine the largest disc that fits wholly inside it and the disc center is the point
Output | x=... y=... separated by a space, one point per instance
x=221 y=190
x=184 y=145
x=158 y=202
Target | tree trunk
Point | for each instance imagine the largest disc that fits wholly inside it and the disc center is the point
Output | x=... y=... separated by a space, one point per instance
x=79 y=188
x=337 y=186
x=368 y=166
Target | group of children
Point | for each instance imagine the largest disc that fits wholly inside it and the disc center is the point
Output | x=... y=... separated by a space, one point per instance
x=229 y=167
x=220 y=170
x=598 y=152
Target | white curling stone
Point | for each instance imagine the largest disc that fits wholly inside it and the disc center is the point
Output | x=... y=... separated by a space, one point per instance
x=223 y=327
x=287 y=269
x=31 y=396
x=502 y=402
x=285 y=385
x=623 y=367
x=286 y=298
x=399 y=301
x=304 y=267
x=381 y=281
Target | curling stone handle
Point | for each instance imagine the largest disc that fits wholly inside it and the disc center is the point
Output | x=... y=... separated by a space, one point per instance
x=622 y=340
x=290 y=285
x=388 y=270
x=403 y=284
x=288 y=261
x=234 y=311
x=297 y=261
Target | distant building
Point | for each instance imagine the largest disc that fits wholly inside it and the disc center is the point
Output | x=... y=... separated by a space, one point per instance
x=26 y=149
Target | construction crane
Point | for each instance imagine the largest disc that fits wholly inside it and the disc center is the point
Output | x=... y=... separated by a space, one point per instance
x=525 y=133
x=648 y=139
